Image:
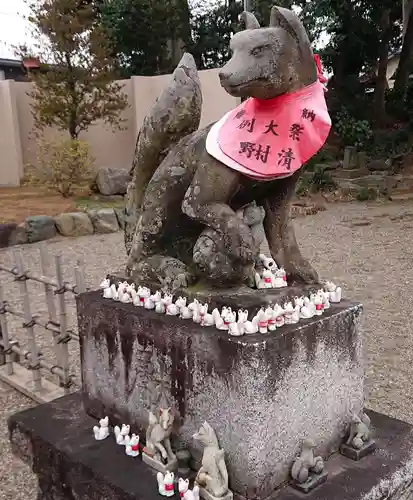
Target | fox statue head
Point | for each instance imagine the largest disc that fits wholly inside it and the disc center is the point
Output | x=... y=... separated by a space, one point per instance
x=268 y=62
x=206 y=435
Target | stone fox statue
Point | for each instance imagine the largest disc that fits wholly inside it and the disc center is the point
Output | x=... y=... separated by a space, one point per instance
x=181 y=206
x=212 y=475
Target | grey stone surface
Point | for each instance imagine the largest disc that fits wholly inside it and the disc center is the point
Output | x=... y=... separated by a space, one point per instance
x=379 y=165
x=158 y=466
x=259 y=393
x=312 y=482
x=354 y=454
x=111 y=181
x=56 y=440
x=74 y=224
x=206 y=495
x=104 y=220
x=39 y=228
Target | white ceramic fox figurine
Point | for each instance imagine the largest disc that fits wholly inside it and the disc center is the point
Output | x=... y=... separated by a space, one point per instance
x=334 y=292
x=207 y=319
x=166 y=484
x=105 y=283
x=264 y=281
x=101 y=432
x=132 y=448
x=122 y=435
x=185 y=493
x=268 y=262
x=108 y=292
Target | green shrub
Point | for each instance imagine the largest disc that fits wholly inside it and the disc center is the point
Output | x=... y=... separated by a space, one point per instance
x=63 y=166
x=352 y=132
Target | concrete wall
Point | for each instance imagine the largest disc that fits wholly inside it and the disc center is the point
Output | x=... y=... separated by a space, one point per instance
x=110 y=148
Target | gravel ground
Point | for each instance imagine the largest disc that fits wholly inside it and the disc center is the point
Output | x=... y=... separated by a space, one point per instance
x=365 y=248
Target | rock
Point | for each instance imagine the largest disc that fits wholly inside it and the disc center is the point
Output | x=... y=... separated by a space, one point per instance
x=120 y=215
x=104 y=220
x=39 y=228
x=379 y=165
x=74 y=224
x=6 y=232
x=111 y=181
x=348 y=174
x=19 y=236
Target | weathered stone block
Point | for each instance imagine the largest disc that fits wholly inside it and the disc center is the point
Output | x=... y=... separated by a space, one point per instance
x=39 y=228
x=112 y=181
x=262 y=393
x=104 y=220
x=56 y=440
x=353 y=454
x=74 y=224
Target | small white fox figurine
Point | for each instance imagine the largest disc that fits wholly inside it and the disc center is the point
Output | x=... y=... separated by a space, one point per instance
x=264 y=281
x=185 y=493
x=268 y=262
x=166 y=484
x=132 y=448
x=101 y=432
x=105 y=283
x=334 y=292
x=108 y=292
x=122 y=435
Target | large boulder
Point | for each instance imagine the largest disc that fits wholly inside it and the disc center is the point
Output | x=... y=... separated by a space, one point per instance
x=39 y=228
x=111 y=181
x=104 y=220
x=74 y=224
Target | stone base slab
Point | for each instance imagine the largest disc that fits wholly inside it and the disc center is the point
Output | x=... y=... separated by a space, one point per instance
x=203 y=493
x=57 y=440
x=158 y=466
x=353 y=454
x=312 y=482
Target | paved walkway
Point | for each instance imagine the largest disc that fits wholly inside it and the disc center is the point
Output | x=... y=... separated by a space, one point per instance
x=365 y=248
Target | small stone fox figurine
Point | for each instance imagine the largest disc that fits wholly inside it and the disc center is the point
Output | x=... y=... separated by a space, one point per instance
x=306 y=463
x=212 y=475
x=359 y=431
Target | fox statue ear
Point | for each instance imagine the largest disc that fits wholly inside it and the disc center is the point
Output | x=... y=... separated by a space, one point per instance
x=249 y=20
x=288 y=21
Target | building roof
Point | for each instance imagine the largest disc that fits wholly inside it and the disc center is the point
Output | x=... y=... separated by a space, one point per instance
x=11 y=63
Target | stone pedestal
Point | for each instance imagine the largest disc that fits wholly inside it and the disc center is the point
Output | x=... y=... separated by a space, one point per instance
x=262 y=393
x=57 y=440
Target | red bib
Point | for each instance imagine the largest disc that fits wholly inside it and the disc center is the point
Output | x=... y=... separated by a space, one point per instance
x=275 y=137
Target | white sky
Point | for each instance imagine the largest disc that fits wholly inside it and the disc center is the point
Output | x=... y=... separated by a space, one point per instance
x=14 y=29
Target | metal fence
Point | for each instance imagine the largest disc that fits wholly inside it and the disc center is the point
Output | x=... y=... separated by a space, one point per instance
x=27 y=369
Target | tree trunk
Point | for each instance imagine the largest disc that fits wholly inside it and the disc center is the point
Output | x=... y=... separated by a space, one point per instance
x=379 y=105
x=407 y=9
x=403 y=70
